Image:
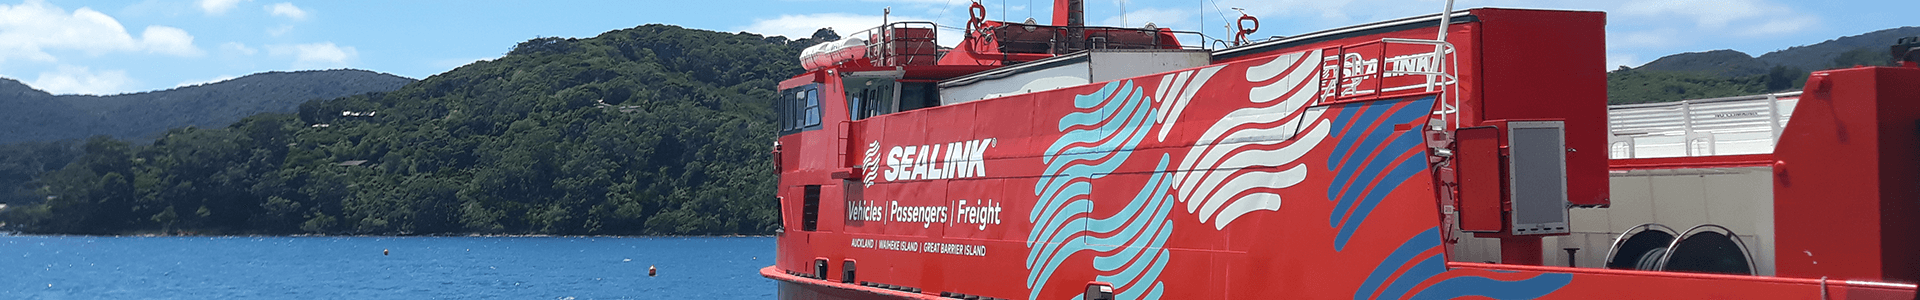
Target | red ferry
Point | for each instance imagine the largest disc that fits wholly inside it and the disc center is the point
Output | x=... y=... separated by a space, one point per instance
x=1462 y=154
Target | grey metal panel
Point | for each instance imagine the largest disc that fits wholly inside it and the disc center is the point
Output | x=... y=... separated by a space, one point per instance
x=1277 y=43
x=1121 y=64
x=1068 y=71
x=1025 y=81
x=1537 y=160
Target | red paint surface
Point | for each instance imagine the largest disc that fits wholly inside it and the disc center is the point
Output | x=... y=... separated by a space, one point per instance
x=1844 y=199
x=1537 y=71
x=1718 y=161
x=1482 y=207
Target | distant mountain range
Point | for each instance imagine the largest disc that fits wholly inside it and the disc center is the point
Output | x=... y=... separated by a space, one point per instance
x=35 y=115
x=1723 y=73
x=1813 y=57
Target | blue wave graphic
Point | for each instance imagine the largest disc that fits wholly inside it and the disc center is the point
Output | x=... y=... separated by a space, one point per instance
x=1367 y=151
x=1092 y=145
x=1529 y=288
x=1434 y=265
x=1400 y=257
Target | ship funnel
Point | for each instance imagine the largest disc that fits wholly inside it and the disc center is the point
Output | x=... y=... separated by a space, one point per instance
x=1069 y=13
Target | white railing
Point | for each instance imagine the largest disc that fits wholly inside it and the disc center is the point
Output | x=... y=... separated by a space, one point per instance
x=1702 y=127
x=1441 y=79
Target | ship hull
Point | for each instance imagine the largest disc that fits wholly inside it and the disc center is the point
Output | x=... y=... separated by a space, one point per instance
x=1318 y=168
x=801 y=288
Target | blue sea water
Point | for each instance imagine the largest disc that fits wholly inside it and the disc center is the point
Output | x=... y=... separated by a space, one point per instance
x=81 y=267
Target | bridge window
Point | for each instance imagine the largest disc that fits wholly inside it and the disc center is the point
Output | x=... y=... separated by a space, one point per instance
x=870 y=97
x=874 y=95
x=799 y=109
x=918 y=95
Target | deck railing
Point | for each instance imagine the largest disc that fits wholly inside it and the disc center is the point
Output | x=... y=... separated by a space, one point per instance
x=1701 y=127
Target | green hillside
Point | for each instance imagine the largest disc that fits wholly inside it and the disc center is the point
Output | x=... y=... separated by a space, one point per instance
x=1834 y=53
x=649 y=130
x=1628 y=86
x=37 y=116
x=43 y=131
x=1726 y=73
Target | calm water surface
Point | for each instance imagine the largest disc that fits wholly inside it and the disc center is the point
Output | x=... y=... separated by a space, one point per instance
x=43 y=267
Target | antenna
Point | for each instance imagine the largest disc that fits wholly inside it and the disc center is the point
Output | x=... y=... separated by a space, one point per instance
x=1225 y=24
x=1240 y=35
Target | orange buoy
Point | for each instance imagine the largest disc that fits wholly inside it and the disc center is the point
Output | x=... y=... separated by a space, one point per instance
x=651 y=271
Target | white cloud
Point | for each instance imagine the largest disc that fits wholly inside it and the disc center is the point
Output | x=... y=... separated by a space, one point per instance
x=1328 y=12
x=450 y=64
x=316 y=55
x=1162 y=18
x=279 y=30
x=1710 y=14
x=1616 y=60
x=1781 y=25
x=802 y=26
x=912 y=1
x=286 y=9
x=168 y=40
x=237 y=47
x=157 y=8
x=1748 y=17
x=29 y=29
x=81 y=80
x=218 y=7
x=205 y=81
x=1657 y=38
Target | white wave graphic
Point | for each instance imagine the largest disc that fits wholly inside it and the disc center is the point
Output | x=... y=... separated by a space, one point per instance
x=1176 y=90
x=1221 y=187
x=872 y=162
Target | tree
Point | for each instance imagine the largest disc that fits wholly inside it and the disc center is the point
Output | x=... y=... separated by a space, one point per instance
x=1866 y=56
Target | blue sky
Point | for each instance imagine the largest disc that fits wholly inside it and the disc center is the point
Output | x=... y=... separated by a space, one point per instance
x=112 y=47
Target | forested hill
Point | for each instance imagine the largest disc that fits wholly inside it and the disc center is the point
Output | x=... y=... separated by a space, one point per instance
x=34 y=115
x=1724 y=73
x=650 y=130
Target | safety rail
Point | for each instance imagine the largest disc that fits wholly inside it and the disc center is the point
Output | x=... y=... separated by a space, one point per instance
x=1440 y=79
x=902 y=43
x=1449 y=107
x=1700 y=127
x=1048 y=39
